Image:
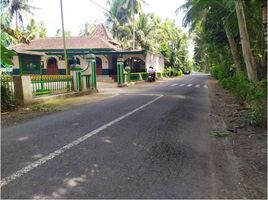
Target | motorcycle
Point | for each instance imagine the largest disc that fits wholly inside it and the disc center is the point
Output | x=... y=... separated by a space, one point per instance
x=151 y=77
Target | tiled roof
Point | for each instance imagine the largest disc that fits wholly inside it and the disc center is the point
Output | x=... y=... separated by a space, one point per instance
x=102 y=32
x=73 y=42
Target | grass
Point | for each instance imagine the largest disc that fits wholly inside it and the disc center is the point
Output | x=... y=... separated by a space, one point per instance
x=219 y=134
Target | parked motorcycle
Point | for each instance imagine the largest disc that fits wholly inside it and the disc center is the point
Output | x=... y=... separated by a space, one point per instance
x=151 y=77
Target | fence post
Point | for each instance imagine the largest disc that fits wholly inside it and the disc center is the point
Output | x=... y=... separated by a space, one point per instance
x=120 y=71
x=77 y=78
x=22 y=89
x=91 y=59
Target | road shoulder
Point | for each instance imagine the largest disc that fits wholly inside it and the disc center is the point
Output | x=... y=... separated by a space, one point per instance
x=244 y=146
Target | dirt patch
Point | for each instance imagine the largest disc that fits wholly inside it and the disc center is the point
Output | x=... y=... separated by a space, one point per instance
x=23 y=114
x=249 y=144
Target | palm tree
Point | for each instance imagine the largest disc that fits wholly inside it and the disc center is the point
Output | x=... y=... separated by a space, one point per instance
x=121 y=17
x=145 y=28
x=247 y=53
x=42 y=30
x=88 y=29
x=32 y=31
x=196 y=15
x=19 y=8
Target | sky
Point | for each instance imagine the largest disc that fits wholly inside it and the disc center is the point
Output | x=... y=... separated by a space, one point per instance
x=77 y=12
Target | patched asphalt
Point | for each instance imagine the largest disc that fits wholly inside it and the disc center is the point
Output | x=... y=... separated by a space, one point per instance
x=161 y=151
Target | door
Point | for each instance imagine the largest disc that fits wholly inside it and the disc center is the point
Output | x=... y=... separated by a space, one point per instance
x=98 y=66
x=52 y=66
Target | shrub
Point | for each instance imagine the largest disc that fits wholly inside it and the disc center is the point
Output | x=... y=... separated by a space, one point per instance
x=179 y=73
x=144 y=75
x=239 y=86
x=221 y=72
x=134 y=76
x=159 y=74
x=8 y=101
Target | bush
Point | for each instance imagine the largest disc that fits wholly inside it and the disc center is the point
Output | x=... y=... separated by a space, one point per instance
x=239 y=86
x=159 y=74
x=8 y=101
x=220 y=73
x=257 y=102
x=253 y=95
x=134 y=76
x=144 y=75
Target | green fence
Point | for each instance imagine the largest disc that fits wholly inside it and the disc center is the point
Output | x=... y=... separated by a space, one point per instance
x=7 y=83
x=51 y=84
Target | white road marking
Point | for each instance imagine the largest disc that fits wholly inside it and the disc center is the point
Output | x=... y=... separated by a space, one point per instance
x=181 y=84
x=60 y=151
x=189 y=85
x=205 y=86
x=137 y=94
x=197 y=85
x=173 y=84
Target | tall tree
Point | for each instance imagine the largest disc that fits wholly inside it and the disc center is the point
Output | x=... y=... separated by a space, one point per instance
x=35 y=30
x=19 y=8
x=247 y=53
x=88 y=28
x=59 y=33
x=198 y=12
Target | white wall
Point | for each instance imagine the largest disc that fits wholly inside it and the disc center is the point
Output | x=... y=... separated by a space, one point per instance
x=154 y=60
x=104 y=60
x=15 y=60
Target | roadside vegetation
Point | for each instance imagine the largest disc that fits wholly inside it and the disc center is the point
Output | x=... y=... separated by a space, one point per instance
x=230 y=42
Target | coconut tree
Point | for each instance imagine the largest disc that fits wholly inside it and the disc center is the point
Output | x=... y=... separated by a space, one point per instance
x=18 y=8
x=246 y=47
x=88 y=28
x=197 y=13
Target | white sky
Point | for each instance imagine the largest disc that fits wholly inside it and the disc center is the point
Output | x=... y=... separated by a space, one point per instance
x=77 y=12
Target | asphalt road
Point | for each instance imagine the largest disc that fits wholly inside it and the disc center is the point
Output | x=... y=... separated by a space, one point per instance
x=151 y=142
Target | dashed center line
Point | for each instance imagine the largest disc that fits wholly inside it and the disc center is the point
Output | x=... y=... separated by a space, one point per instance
x=173 y=84
x=197 y=86
x=189 y=85
x=205 y=86
x=182 y=84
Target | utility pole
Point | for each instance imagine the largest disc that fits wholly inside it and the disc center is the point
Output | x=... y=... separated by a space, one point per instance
x=63 y=36
x=133 y=24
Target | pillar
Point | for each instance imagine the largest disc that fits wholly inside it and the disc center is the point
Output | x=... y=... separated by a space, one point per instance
x=91 y=60
x=22 y=89
x=120 y=71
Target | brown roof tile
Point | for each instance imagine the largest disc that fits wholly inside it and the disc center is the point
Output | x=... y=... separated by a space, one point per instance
x=102 y=32
x=73 y=42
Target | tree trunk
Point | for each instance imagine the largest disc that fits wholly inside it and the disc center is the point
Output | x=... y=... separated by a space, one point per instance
x=247 y=53
x=264 y=22
x=16 y=20
x=206 y=63
x=233 y=46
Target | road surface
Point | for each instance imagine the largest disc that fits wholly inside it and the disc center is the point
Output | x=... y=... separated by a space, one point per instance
x=150 y=142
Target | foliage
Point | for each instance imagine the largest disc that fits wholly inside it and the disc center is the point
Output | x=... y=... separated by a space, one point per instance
x=59 y=33
x=6 y=56
x=7 y=100
x=172 y=71
x=127 y=16
x=88 y=29
x=134 y=76
x=251 y=94
x=17 y=8
x=35 y=30
x=239 y=86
